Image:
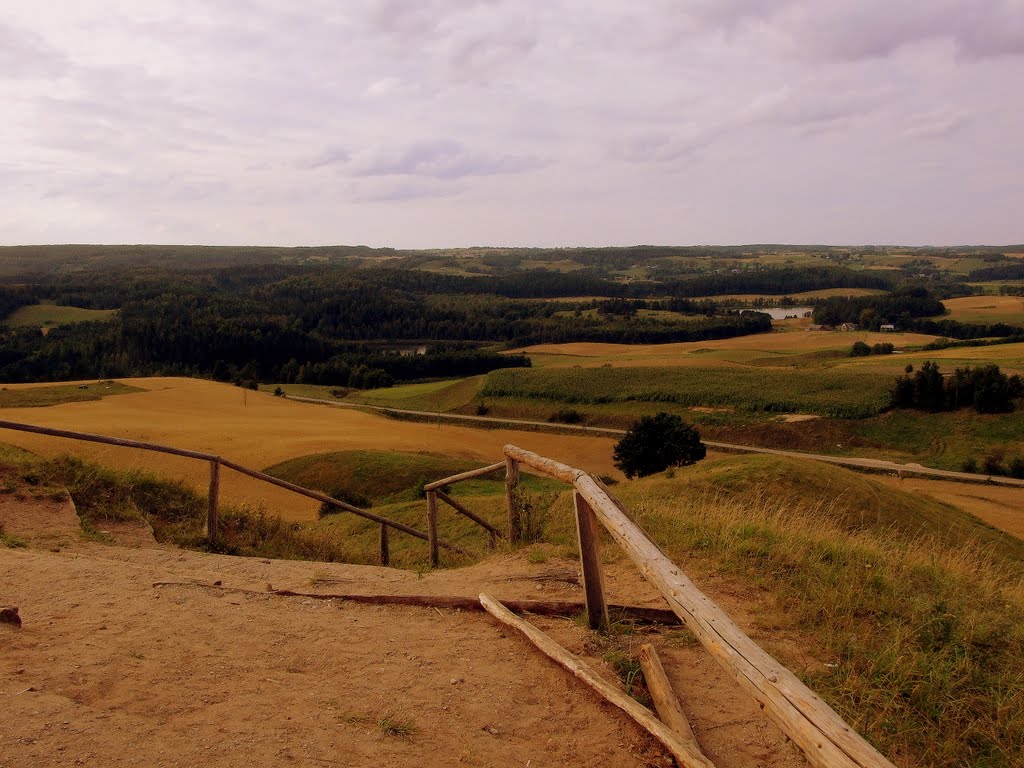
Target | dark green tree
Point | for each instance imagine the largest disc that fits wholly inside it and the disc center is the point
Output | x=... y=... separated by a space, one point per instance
x=655 y=443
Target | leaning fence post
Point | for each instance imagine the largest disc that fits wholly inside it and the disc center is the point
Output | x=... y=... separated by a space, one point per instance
x=590 y=559
x=515 y=526
x=212 y=510
x=385 y=554
x=432 y=528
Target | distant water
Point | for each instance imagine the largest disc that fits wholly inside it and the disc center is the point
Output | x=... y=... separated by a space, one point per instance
x=781 y=313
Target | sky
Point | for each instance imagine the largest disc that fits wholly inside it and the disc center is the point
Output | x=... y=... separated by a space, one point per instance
x=445 y=123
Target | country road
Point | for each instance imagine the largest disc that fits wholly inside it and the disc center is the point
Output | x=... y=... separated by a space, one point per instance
x=853 y=462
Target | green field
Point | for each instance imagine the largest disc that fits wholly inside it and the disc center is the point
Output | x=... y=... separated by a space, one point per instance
x=50 y=316
x=40 y=397
x=827 y=392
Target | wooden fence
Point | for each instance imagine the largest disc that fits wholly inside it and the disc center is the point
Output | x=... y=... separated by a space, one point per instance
x=216 y=462
x=826 y=740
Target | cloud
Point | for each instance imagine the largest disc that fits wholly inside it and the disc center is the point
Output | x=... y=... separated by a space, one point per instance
x=440 y=159
x=26 y=54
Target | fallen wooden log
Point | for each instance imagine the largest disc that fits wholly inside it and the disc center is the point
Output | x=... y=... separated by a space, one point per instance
x=686 y=754
x=666 y=703
x=563 y=608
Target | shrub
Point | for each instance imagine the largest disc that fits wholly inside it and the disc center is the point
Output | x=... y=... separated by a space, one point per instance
x=346 y=495
x=655 y=443
x=969 y=465
x=566 y=416
x=993 y=464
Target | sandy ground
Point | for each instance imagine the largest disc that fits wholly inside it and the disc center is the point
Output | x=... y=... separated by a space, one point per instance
x=110 y=670
x=258 y=430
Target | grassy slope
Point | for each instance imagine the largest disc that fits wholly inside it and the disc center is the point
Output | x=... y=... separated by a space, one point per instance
x=910 y=617
x=904 y=614
x=39 y=397
x=51 y=315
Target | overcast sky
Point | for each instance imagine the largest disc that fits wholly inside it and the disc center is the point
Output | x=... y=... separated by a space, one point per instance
x=427 y=123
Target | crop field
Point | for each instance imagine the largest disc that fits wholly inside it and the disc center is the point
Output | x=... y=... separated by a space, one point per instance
x=50 y=316
x=739 y=349
x=43 y=395
x=259 y=430
x=841 y=394
x=986 y=309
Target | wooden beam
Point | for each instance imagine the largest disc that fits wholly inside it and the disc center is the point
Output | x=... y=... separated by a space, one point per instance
x=464 y=476
x=458 y=507
x=826 y=740
x=119 y=441
x=590 y=559
x=515 y=529
x=666 y=703
x=562 y=608
x=684 y=753
x=213 y=503
x=549 y=467
x=385 y=551
x=432 y=527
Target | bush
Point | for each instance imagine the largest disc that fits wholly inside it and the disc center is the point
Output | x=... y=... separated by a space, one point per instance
x=655 y=443
x=349 y=497
x=860 y=349
x=969 y=465
x=993 y=464
x=566 y=416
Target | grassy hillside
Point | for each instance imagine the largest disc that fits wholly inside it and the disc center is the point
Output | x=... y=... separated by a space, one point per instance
x=906 y=615
x=840 y=393
x=40 y=397
x=46 y=315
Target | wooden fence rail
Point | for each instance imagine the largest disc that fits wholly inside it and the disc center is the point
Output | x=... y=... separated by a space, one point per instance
x=826 y=740
x=436 y=491
x=216 y=462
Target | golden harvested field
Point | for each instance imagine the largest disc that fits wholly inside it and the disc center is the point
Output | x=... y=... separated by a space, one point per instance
x=986 y=309
x=998 y=506
x=258 y=430
x=725 y=351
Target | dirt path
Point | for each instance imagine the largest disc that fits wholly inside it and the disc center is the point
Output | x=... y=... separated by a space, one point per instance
x=109 y=670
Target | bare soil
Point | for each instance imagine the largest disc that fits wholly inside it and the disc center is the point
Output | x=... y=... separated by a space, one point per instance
x=110 y=670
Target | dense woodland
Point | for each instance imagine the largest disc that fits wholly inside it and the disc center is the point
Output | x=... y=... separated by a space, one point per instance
x=363 y=317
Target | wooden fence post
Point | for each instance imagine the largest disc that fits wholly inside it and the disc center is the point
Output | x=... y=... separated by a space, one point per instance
x=590 y=559
x=515 y=532
x=385 y=554
x=213 y=509
x=432 y=528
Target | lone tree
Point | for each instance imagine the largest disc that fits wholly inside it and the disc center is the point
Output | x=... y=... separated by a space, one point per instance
x=655 y=443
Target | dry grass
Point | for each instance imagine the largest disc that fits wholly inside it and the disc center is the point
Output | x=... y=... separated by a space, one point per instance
x=739 y=349
x=258 y=430
x=986 y=309
x=920 y=642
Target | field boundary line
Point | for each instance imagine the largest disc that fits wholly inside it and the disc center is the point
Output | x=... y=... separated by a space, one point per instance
x=862 y=464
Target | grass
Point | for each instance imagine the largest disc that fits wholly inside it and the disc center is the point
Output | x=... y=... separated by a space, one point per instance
x=394 y=725
x=837 y=393
x=441 y=396
x=986 y=309
x=916 y=633
x=58 y=394
x=47 y=315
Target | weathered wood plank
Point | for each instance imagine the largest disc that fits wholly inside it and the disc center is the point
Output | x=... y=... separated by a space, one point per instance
x=684 y=753
x=826 y=740
x=459 y=507
x=464 y=476
x=213 y=503
x=590 y=559
x=432 y=528
x=666 y=703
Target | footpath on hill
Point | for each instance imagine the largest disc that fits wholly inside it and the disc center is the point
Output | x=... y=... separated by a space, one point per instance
x=110 y=670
